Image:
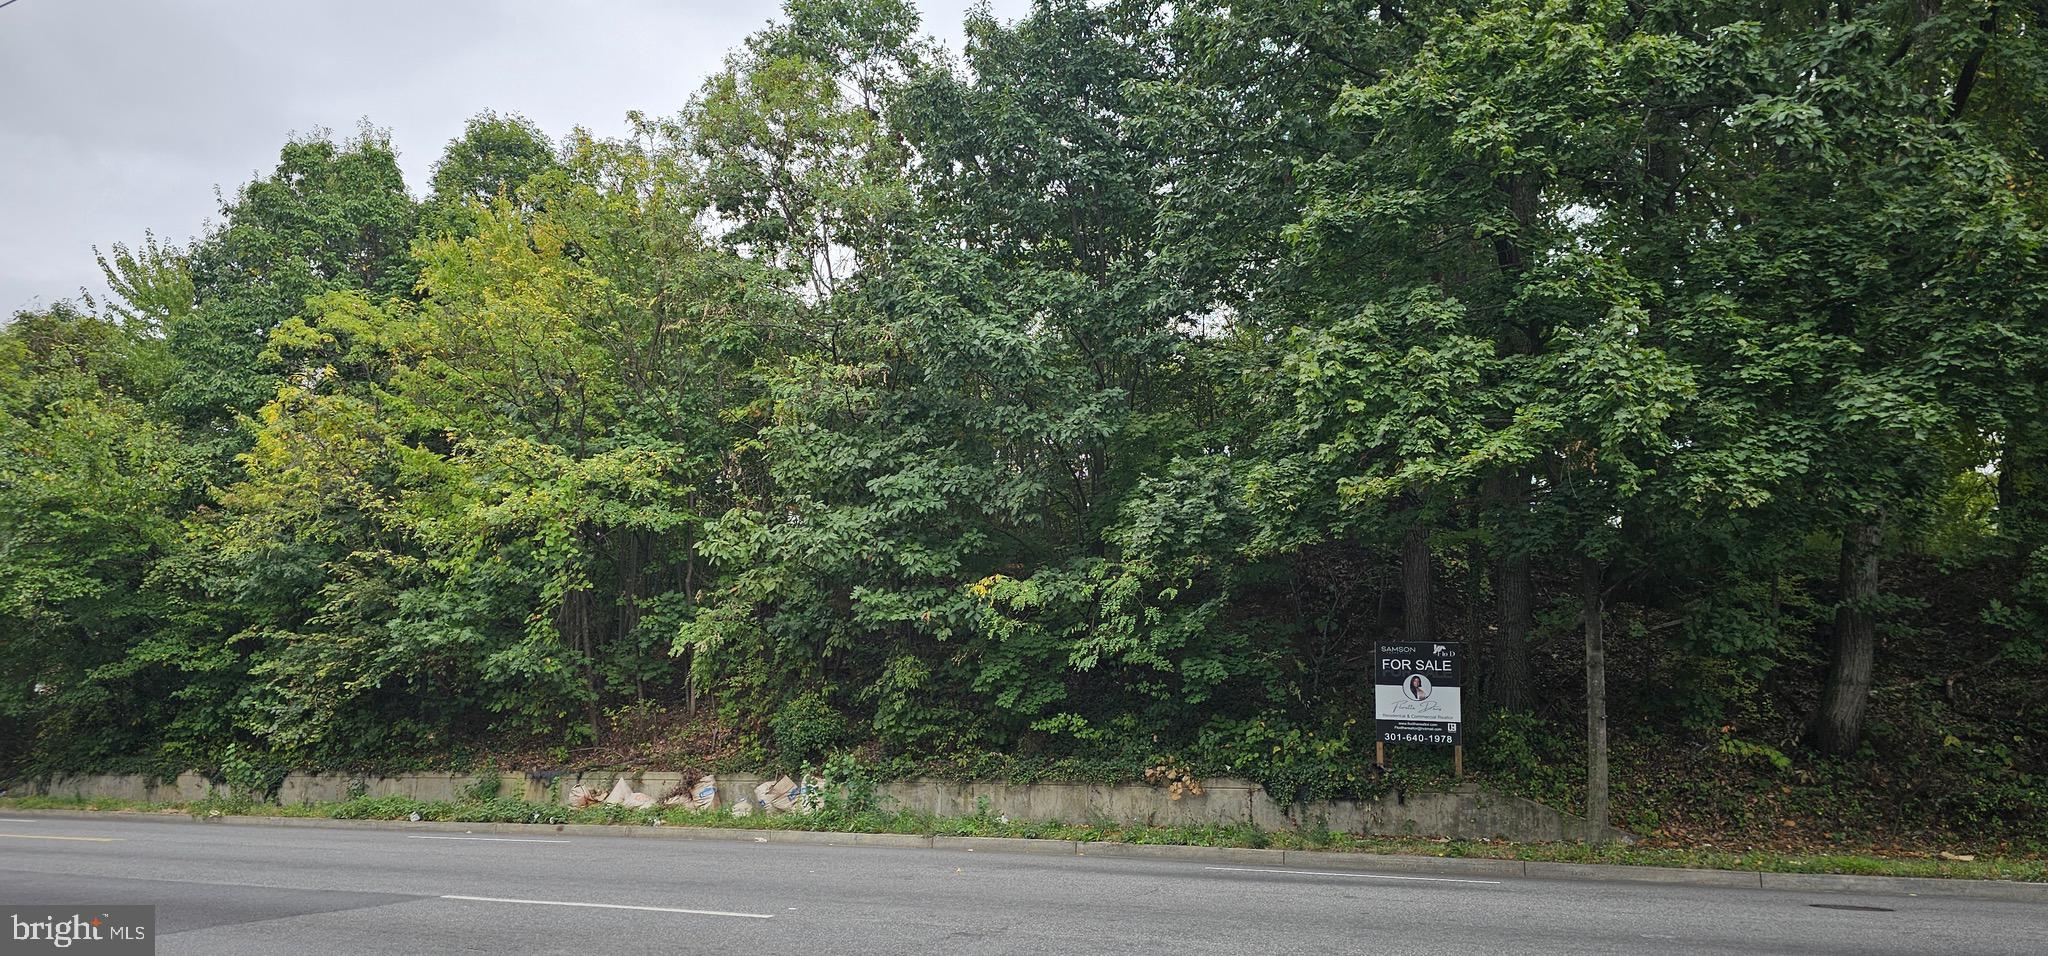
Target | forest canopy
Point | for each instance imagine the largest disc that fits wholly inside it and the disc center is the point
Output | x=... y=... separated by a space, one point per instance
x=1095 y=397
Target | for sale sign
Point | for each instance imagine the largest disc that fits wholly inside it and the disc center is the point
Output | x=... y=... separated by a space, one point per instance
x=1416 y=697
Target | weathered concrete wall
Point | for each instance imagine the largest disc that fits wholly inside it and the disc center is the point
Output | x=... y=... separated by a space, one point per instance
x=125 y=786
x=331 y=787
x=1469 y=814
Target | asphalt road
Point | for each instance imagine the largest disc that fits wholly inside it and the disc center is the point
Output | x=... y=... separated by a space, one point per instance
x=258 y=889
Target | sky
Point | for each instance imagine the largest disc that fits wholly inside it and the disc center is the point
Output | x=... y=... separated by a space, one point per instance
x=118 y=116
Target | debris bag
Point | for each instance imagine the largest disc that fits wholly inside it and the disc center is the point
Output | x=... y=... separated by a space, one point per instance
x=743 y=808
x=704 y=793
x=764 y=796
x=638 y=801
x=581 y=796
x=774 y=795
x=808 y=796
x=620 y=791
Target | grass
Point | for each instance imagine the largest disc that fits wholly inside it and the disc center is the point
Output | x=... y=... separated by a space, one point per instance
x=511 y=810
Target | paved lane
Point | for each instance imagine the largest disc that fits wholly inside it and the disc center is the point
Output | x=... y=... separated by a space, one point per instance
x=257 y=889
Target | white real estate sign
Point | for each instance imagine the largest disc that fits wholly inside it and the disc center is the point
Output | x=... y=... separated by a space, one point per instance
x=1416 y=697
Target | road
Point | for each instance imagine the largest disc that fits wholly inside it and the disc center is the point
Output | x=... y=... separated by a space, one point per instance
x=262 y=889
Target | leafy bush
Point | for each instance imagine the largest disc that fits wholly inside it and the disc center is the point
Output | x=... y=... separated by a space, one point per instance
x=807 y=728
x=384 y=808
x=1292 y=763
x=851 y=787
x=250 y=774
x=484 y=788
x=1524 y=754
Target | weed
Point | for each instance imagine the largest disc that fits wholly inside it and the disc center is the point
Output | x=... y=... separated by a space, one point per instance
x=485 y=788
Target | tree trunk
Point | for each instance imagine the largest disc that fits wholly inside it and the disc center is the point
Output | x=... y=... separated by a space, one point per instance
x=2019 y=487
x=2008 y=484
x=1837 y=724
x=1512 y=681
x=690 y=600
x=1596 y=702
x=1415 y=583
x=1475 y=590
x=1511 y=685
x=572 y=621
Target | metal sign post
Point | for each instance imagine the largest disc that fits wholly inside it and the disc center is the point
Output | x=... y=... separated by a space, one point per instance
x=1417 y=697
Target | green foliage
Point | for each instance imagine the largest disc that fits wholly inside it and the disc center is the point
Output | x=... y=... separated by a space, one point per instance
x=2024 y=620
x=484 y=788
x=851 y=788
x=1067 y=406
x=493 y=159
x=807 y=728
x=249 y=775
x=1522 y=753
x=333 y=216
x=381 y=808
x=90 y=488
x=1748 y=750
x=1292 y=763
x=152 y=284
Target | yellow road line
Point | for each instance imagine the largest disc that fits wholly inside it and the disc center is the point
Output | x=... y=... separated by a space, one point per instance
x=39 y=836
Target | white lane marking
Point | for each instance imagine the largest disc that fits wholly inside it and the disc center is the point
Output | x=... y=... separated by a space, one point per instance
x=38 y=836
x=609 y=906
x=490 y=839
x=1360 y=876
x=14 y=820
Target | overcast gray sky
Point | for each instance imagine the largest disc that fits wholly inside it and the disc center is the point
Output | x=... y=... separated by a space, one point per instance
x=123 y=115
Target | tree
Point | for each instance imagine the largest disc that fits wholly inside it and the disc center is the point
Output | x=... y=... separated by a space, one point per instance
x=91 y=489
x=331 y=216
x=151 y=285
x=493 y=160
x=493 y=492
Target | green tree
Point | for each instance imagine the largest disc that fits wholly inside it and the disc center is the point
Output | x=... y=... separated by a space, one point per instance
x=331 y=216
x=493 y=159
x=91 y=486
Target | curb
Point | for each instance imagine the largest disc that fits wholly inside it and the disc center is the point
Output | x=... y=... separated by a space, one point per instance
x=1646 y=874
x=1188 y=854
x=1956 y=888
x=1006 y=845
x=1421 y=865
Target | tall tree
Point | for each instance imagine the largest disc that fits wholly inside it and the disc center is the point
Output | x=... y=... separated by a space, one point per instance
x=331 y=216
x=91 y=491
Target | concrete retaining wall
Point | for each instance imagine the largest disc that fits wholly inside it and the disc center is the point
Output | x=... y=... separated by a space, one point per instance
x=128 y=786
x=1469 y=814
